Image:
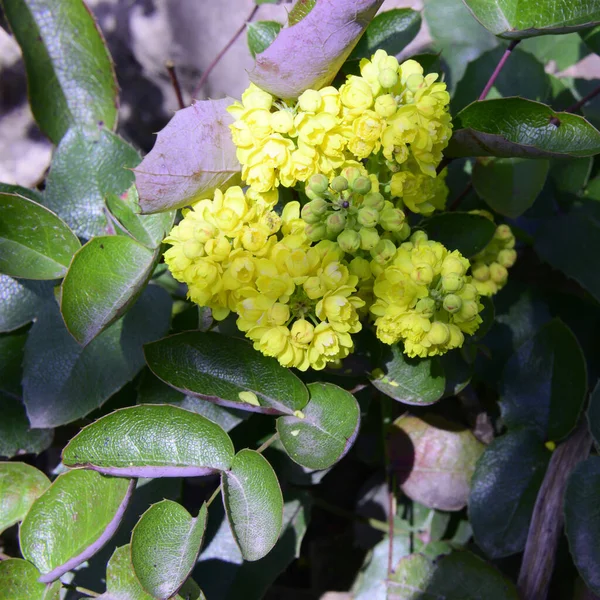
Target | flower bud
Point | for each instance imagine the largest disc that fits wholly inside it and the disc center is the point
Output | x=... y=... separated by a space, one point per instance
x=349 y=241
x=452 y=264
x=310 y=101
x=315 y=232
x=498 y=273
x=481 y=272
x=503 y=232
x=423 y=274
x=302 y=331
x=439 y=333
x=367 y=217
x=318 y=183
x=384 y=251
x=374 y=200
x=351 y=174
x=335 y=223
x=369 y=238
x=426 y=306
x=282 y=121
x=452 y=303
x=469 y=309
x=388 y=78
x=360 y=267
x=193 y=249
x=361 y=185
x=403 y=233
x=452 y=282
x=313 y=211
x=339 y=184
x=418 y=237
x=385 y=106
x=392 y=219
x=507 y=257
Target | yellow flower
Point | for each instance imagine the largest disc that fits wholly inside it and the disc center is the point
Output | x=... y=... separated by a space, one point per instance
x=356 y=95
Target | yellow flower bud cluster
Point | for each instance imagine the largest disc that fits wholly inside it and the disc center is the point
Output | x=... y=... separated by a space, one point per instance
x=490 y=266
x=294 y=300
x=425 y=299
x=419 y=193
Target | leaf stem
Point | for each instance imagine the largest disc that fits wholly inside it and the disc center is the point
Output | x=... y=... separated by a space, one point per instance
x=175 y=82
x=493 y=77
x=81 y=590
x=580 y=103
x=221 y=54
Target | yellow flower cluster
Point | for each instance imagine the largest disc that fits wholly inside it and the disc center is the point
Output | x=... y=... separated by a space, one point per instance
x=490 y=266
x=425 y=299
x=295 y=301
x=391 y=113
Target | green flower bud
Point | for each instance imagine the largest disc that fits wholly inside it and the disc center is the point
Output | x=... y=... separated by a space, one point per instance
x=426 y=306
x=385 y=106
x=498 y=273
x=313 y=211
x=418 y=236
x=469 y=309
x=374 y=200
x=349 y=241
x=452 y=282
x=316 y=232
x=351 y=174
x=439 y=333
x=423 y=274
x=384 y=251
x=392 y=219
x=403 y=233
x=318 y=183
x=388 y=78
x=481 y=272
x=369 y=238
x=361 y=185
x=335 y=223
x=452 y=303
x=503 y=232
x=507 y=257
x=339 y=184
x=360 y=267
x=367 y=217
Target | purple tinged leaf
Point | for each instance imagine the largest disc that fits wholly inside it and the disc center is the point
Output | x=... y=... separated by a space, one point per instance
x=310 y=53
x=193 y=156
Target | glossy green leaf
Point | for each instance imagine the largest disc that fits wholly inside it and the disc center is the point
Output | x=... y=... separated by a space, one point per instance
x=582 y=520
x=226 y=371
x=19 y=581
x=68 y=524
x=593 y=414
x=62 y=47
x=465 y=232
x=571 y=176
x=34 y=242
x=325 y=430
x=105 y=278
x=300 y=9
x=510 y=185
x=390 y=30
x=454 y=577
x=151 y=440
x=9 y=188
x=20 y=301
x=556 y=244
x=544 y=383
x=408 y=380
x=508 y=477
x=193 y=156
x=149 y=230
x=434 y=460
x=164 y=547
x=513 y=19
x=16 y=436
x=88 y=166
x=56 y=368
x=254 y=504
x=261 y=35
x=591 y=38
x=562 y=50
x=456 y=35
x=20 y=485
x=515 y=127
x=12 y=346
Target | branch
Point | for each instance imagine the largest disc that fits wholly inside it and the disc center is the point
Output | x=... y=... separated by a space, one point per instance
x=547 y=522
x=494 y=76
x=175 y=83
x=580 y=103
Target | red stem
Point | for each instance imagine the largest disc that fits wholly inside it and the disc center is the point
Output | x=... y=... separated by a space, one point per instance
x=490 y=83
x=175 y=83
x=580 y=103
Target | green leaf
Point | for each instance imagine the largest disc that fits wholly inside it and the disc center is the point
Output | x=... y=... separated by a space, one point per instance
x=34 y=242
x=390 y=30
x=19 y=581
x=68 y=524
x=544 y=383
x=457 y=35
x=151 y=440
x=326 y=429
x=465 y=232
x=591 y=38
x=254 y=504
x=164 y=547
x=571 y=176
x=582 y=520
x=593 y=414
x=300 y=9
x=9 y=188
x=105 y=278
x=20 y=301
x=20 y=485
x=454 y=577
x=149 y=230
x=56 y=368
x=556 y=245
x=434 y=459
x=193 y=156
x=12 y=347
x=529 y=80
x=122 y=583
x=226 y=371
x=69 y=70
x=507 y=479
x=562 y=50
x=261 y=35
x=16 y=437
x=515 y=127
x=510 y=185
x=88 y=166
x=513 y=19
x=290 y=65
